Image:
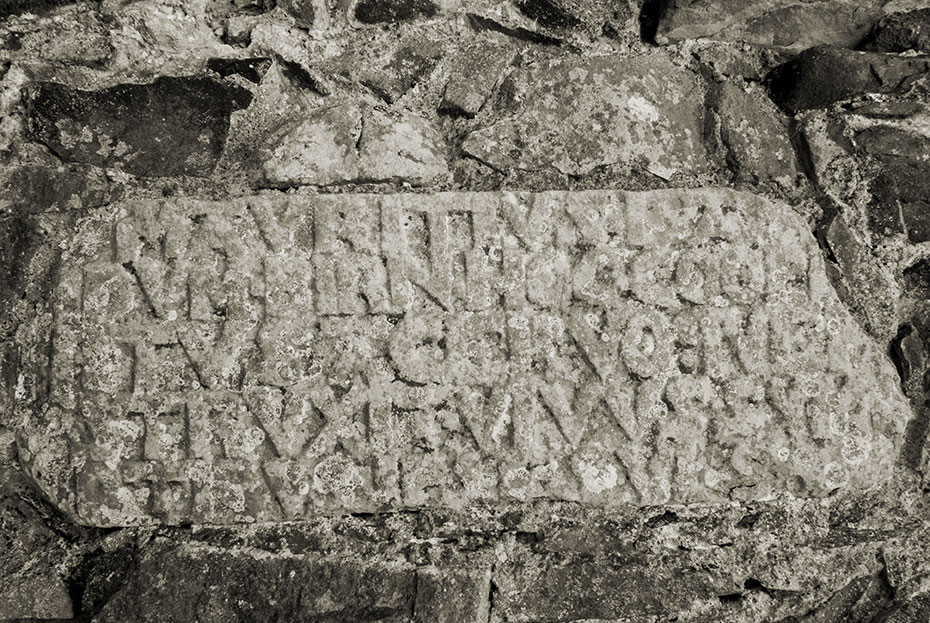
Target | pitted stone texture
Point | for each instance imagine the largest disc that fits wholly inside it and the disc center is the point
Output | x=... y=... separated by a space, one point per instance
x=575 y=115
x=795 y=24
x=352 y=143
x=274 y=358
x=173 y=126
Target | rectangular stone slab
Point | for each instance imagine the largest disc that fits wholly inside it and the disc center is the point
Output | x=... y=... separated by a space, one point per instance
x=277 y=357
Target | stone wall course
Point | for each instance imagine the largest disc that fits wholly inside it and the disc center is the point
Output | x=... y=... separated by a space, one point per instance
x=464 y=310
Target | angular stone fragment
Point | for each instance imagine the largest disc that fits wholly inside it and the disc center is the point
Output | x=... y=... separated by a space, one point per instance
x=597 y=17
x=796 y=24
x=18 y=7
x=30 y=586
x=405 y=149
x=578 y=114
x=388 y=11
x=595 y=591
x=349 y=143
x=173 y=126
x=452 y=595
x=753 y=136
x=319 y=148
x=230 y=586
x=302 y=11
x=871 y=285
x=272 y=358
x=474 y=76
x=900 y=32
x=901 y=195
x=821 y=76
x=252 y=69
x=34 y=595
x=407 y=67
x=33 y=188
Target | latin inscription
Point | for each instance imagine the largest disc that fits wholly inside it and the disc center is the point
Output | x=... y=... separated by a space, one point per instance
x=274 y=358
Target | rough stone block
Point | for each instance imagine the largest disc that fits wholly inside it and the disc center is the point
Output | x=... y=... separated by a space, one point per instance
x=476 y=72
x=351 y=143
x=391 y=11
x=796 y=24
x=900 y=32
x=173 y=126
x=237 y=586
x=753 y=135
x=822 y=76
x=539 y=590
x=276 y=358
x=447 y=595
x=574 y=115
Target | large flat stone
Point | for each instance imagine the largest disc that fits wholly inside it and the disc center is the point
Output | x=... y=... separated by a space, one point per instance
x=574 y=115
x=172 y=126
x=235 y=586
x=795 y=24
x=274 y=358
x=822 y=76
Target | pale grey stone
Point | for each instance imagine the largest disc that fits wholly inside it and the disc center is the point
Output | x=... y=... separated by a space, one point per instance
x=273 y=358
x=574 y=115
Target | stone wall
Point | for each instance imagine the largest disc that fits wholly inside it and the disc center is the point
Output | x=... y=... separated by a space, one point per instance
x=536 y=311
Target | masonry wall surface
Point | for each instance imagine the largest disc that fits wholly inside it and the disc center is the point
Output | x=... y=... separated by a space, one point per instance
x=464 y=310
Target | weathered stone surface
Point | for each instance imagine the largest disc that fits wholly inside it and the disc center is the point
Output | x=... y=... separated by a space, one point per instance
x=901 y=195
x=252 y=69
x=388 y=11
x=246 y=588
x=596 y=16
x=900 y=32
x=351 y=143
x=753 y=136
x=173 y=126
x=796 y=24
x=34 y=595
x=574 y=115
x=872 y=286
x=908 y=563
x=871 y=158
x=270 y=359
x=821 y=76
x=31 y=189
x=302 y=11
x=452 y=595
x=477 y=70
x=17 y=7
x=407 y=66
x=582 y=590
x=30 y=586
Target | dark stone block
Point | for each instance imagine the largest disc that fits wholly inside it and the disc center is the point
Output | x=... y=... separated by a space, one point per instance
x=549 y=13
x=252 y=69
x=173 y=126
x=821 y=76
x=902 y=188
x=35 y=188
x=900 y=32
x=381 y=11
x=594 y=590
x=917 y=220
x=18 y=7
x=302 y=11
x=452 y=595
x=174 y=585
x=909 y=610
x=887 y=143
x=917 y=279
x=406 y=68
x=18 y=236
